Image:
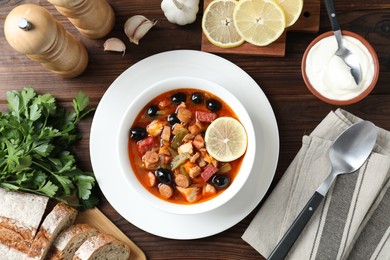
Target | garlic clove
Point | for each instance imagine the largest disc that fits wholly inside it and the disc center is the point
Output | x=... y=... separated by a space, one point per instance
x=114 y=44
x=141 y=31
x=133 y=23
x=137 y=26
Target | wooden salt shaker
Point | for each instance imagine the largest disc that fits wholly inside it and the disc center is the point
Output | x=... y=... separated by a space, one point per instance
x=32 y=30
x=93 y=18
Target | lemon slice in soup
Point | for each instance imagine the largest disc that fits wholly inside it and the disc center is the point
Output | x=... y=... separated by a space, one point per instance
x=226 y=139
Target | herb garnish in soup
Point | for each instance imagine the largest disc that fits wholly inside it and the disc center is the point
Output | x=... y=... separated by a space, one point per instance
x=186 y=146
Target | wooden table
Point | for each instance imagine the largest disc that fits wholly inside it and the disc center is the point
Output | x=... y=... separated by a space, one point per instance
x=296 y=109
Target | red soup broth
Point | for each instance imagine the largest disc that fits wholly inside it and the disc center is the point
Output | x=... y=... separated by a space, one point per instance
x=165 y=106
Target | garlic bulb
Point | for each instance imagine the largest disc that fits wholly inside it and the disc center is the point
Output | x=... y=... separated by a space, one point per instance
x=137 y=26
x=181 y=12
x=114 y=44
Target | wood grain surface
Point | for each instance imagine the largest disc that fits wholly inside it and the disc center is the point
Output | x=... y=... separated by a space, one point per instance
x=297 y=110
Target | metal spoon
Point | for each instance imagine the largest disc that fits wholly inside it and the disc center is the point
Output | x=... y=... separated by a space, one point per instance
x=345 y=54
x=347 y=154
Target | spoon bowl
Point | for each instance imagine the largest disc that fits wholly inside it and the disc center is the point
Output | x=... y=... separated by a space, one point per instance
x=345 y=54
x=346 y=155
x=351 y=150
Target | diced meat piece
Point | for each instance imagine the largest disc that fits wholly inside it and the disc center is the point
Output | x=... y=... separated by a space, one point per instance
x=182 y=180
x=177 y=128
x=150 y=159
x=164 y=150
x=195 y=157
x=188 y=137
x=151 y=179
x=185 y=148
x=209 y=190
x=201 y=162
x=184 y=115
x=163 y=103
x=146 y=144
x=208 y=172
x=196 y=128
x=194 y=171
x=166 y=133
x=165 y=190
x=198 y=142
x=191 y=194
x=155 y=127
x=205 y=116
x=165 y=159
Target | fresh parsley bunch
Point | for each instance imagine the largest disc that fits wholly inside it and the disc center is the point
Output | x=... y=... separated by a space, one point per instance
x=35 y=139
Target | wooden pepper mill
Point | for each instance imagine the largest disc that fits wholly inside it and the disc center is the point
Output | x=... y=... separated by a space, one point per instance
x=32 y=30
x=93 y=18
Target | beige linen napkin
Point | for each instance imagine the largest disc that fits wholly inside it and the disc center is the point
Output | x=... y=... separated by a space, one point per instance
x=353 y=218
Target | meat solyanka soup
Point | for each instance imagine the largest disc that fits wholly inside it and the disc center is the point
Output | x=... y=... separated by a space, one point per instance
x=186 y=146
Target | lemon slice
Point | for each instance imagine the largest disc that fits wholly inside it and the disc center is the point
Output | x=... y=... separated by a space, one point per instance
x=218 y=25
x=292 y=10
x=226 y=139
x=259 y=22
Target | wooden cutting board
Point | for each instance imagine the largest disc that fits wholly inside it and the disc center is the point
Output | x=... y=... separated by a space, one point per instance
x=97 y=219
x=308 y=22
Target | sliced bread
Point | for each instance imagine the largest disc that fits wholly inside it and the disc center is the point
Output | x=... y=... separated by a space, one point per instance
x=69 y=240
x=102 y=246
x=20 y=215
x=61 y=217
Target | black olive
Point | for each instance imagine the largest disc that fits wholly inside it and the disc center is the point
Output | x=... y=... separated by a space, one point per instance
x=164 y=175
x=178 y=98
x=213 y=105
x=220 y=181
x=152 y=110
x=172 y=119
x=197 y=98
x=138 y=133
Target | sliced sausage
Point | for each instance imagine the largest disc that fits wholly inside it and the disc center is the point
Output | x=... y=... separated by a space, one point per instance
x=205 y=116
x=151 y=179
x=165 y=190
x=182 y=180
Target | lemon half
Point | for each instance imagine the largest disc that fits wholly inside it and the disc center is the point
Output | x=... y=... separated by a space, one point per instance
x=226 y=139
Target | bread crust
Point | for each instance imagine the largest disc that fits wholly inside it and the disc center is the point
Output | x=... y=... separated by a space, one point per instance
x=96 y=243
x=69 y=240
x=61 y=217
x=20 y=215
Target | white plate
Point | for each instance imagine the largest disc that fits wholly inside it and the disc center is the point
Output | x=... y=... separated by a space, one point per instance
x=154 y=69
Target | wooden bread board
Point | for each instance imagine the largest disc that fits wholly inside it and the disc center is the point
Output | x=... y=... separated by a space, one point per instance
x=97 y=219
x=308 y=22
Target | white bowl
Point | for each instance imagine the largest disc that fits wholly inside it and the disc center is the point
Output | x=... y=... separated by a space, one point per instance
x=141 y=101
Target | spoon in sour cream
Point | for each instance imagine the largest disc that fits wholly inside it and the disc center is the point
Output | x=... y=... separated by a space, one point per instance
x=345 y=54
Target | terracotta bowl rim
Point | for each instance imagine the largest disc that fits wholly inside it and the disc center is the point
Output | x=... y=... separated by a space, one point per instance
x=347 y=101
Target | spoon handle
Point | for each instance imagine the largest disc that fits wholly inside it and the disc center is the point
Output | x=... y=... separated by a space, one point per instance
x=292 y=234
x=332 y=15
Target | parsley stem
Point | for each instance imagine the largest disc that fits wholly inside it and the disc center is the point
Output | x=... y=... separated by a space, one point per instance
x=43 y=167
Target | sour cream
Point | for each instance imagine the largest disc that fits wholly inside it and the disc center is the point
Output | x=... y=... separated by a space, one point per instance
x=330 y=76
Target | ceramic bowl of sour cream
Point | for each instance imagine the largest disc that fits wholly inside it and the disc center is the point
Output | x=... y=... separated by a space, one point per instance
x=329 y=78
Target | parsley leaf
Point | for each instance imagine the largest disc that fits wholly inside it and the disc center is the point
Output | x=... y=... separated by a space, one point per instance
x=36 y=138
